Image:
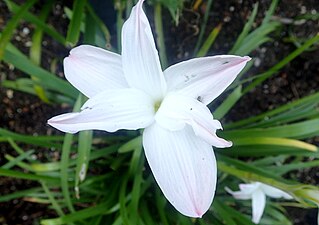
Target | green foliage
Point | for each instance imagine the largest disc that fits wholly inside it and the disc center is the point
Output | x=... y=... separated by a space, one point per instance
x=105 y=180
x=174 y=7
x=9 y=29
x=73 y=34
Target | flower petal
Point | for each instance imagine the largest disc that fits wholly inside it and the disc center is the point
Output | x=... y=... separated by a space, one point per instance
x=204 y=78
x=238 y=194
x=92 y=70
x=177 y=110
x=258 y=205
x=246 y=191
x=110 y=110
x=275 y=192
x=140 y=59
x=249 y=188
x=184 y=167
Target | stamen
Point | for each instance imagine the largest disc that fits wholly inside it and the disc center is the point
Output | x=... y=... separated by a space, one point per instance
x=157 y=105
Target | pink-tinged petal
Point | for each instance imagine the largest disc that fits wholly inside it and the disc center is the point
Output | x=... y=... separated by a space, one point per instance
x=204 y=78
x=93 y=70
x=258 y=205
x=274 y=192
x=184 y=167
x=177 y=110
x=140 y=59
x=110 y=111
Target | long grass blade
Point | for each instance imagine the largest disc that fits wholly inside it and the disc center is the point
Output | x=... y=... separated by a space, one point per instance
x=52 y=200
x=314 y=98
x=209 y=41
x=282 y=63
x=74 y=28
x=100 y=24
x=36 y=21
x=27 y=176
x=17 y=160
x=82 y=164
x=303 y=129
x=66 y=149
x=11 y=25
x=160 y=35
x=245 y=30
x=275 y=141
x=36 y=49
x=262 y=77
x=47 y=79
x=203 y=26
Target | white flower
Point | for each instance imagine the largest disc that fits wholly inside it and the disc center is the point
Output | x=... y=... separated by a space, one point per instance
x=130 y=91
x=257 y=193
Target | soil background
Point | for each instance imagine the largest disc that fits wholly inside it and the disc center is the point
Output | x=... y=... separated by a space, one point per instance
x=26 y=114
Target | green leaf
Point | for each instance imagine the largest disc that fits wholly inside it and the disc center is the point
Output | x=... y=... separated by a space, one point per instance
x=228 y=103
x=230 y=215
x=19 y=194
x=27 y=85
x=131 y=145
x=27 y=176
x=11 y=26
x=74 y=28
x=271 y=71
x=51 y=198
x=35 y=50
x=294 y=166
x=302 y=193
x=291 y=106
x=297 y=130
x=175 y=8
x=245 y=30
x=282 y=63
x=82 y=163
x=203 y=26
x=36 y=21
x=160 y=35
x=209 y=41
x=47 y=79
x=220 y=210
x=43 y=141
x=100 y=24
x=66 y=149
x=15 y=161
x=276 y=142
x=270 y=11
x=79 y=215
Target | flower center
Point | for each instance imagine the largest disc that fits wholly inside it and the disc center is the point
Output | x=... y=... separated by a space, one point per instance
x=157 y=105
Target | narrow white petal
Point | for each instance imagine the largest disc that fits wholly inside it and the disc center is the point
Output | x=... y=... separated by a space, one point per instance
x=177 y=110
x=239 y=194
x=184 y=167
x=110 y=111
x=258 y=205
x=249 y=188
x=140 y=59
x=275 y=192
x=204 y=78
x=92 y=70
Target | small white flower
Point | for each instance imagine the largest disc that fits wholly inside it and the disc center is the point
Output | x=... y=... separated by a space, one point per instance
x=257 y=193
x=130 y=91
